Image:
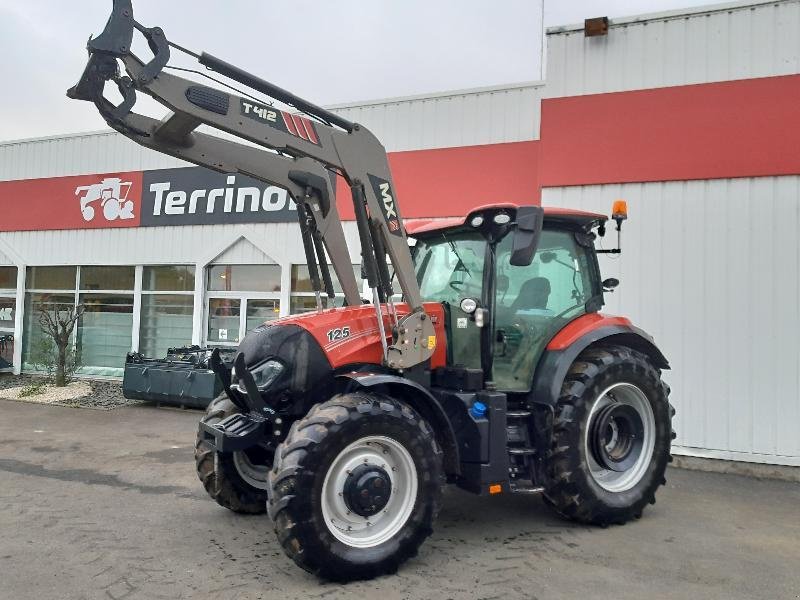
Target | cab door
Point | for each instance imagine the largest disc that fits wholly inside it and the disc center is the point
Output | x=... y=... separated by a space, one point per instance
x=534 y=302
x=449 y=269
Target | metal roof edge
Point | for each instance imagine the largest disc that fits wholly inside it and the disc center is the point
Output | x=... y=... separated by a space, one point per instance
x=671 y=14
x=431 y=96
x=58 y=136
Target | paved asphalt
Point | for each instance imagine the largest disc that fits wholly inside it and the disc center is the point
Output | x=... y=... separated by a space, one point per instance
x=98 y=504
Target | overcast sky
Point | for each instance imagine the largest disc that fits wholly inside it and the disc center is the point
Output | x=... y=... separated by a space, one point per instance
x=329 y=51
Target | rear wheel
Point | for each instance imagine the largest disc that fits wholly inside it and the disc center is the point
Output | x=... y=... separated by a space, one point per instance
x=611 y=437
x=355 y=487
x=236 y=480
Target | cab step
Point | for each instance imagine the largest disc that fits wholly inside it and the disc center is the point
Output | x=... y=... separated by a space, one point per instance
x=522 y=451
x=518 y=414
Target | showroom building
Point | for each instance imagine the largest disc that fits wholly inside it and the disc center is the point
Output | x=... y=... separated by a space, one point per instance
x=691 y=116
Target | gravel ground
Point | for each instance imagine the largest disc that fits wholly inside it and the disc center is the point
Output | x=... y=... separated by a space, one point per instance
x=106 y=395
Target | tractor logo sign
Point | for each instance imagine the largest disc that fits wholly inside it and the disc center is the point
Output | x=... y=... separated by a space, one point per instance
x=110 y=197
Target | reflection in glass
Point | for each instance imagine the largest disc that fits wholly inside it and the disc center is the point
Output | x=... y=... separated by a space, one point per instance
x=6 y=349
x=171 y=278
x=166 y=322
x=7 y=311
x=51 y=278
x=260 y=311
x=8 y=278
x=244 y=278
x=223 y=320
x=34 y=304
x=104 y=330
x=106 y=278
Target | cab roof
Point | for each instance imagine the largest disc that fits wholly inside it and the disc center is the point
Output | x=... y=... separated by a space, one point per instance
x=566 y=216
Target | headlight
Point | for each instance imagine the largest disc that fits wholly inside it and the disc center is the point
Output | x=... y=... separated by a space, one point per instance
x=266 y=373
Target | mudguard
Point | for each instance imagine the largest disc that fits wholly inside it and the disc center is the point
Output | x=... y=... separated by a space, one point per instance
x=567 y=344
x=420 y=399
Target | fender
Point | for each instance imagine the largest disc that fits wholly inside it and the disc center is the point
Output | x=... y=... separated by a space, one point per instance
x=420 y=399
x=574 y=338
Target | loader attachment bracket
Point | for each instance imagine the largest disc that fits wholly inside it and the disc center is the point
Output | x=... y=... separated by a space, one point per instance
x=104 y=50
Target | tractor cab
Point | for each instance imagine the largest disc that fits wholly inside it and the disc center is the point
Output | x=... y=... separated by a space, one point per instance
x=507 y=307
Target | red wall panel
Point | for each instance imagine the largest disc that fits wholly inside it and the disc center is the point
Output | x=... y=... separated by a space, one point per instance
x=743 y=128
x=449 y=181
x=77 y=202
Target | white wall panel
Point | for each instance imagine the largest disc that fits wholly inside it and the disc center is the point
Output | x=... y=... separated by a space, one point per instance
x=484 y=116
x=165 y=245
x=712 y=270
x=100 y=152
x=738 y=40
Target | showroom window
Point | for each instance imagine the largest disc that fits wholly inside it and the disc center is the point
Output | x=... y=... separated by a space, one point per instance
x=103 y=333
x=47 y=289
x=104 y=330
x=244 y=278
x=240 y=298
x=167 y=308
x=8 y=306
x=302 y=296
x=8 y=278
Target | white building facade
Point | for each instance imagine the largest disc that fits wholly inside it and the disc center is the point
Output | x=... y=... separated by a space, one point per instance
x=689 y=116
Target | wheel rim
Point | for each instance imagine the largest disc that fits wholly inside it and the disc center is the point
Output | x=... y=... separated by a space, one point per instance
x=620 y=437
x=364 y=463
x=254 y=474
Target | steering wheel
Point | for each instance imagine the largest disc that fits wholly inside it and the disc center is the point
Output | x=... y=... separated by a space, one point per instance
x=457 y=285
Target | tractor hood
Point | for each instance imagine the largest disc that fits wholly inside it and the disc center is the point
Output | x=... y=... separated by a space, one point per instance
x=285 y=359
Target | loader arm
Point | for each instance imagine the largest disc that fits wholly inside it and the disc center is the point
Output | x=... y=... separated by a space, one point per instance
x=301 y=153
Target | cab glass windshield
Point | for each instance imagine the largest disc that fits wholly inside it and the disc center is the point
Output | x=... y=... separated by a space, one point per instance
x=450 y=268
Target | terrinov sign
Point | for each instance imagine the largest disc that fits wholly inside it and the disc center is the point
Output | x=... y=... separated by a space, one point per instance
x=198 y=196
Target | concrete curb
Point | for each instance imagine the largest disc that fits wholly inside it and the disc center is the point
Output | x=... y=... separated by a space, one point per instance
x=732 y=467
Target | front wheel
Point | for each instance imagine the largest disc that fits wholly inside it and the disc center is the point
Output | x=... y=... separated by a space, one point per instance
x=611 y=437
x=356 y=487
x=236 y=480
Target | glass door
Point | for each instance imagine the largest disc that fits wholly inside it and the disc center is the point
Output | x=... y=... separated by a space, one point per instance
x=229 y=317
x=8 y=306
x=261 y=310
x=223 y=321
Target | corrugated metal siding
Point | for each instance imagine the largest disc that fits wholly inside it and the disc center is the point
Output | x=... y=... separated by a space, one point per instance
x=100 y=152
x=712 y=269
x=243 y=252
x=735 y=42
x=165 y=245
x=485 y=116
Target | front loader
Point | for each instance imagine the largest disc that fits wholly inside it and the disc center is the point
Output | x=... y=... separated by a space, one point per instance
x=490 y=368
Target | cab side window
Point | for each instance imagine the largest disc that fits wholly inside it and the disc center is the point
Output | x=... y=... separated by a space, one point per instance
x=534 y=302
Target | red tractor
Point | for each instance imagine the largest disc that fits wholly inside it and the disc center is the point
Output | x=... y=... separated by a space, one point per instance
x=491 y=369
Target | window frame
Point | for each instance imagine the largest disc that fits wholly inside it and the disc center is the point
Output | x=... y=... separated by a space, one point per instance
x=338 y=296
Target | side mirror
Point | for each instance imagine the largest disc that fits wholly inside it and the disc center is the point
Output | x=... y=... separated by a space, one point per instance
x=527 y=234
x=610 y=283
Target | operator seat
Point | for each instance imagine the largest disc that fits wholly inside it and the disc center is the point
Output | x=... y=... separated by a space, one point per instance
x=533 y=294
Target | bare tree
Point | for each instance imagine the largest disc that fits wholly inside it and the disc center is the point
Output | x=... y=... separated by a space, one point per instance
x=58 y=323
